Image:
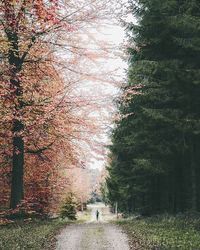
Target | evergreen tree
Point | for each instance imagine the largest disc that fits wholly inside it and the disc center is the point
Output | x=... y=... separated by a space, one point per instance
x=156 y=146
x=68 y=208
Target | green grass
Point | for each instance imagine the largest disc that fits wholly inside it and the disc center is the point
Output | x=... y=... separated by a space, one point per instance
x=37 y=235
x=163 y=233
x=84 y=216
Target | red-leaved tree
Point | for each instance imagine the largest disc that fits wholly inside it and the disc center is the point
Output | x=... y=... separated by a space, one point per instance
x=44 y=120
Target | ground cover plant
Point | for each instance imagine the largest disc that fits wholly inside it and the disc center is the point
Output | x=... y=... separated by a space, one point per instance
x=35 y=234
x=163 y=233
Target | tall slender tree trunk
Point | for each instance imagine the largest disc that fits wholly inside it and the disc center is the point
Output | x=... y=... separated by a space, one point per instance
x=17 y=187
x=193 y=179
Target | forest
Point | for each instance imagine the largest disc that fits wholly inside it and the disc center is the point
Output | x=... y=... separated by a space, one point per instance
x=155 y=150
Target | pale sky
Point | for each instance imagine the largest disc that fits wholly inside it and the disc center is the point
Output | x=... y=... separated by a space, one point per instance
x=108 y=38
x=115 y=34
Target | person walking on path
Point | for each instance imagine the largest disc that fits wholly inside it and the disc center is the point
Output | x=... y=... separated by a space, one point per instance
x=97 y=215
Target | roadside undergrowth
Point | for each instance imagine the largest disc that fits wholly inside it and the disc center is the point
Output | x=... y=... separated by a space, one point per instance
x=163 y=233
x=35 y=234
x=84 y=216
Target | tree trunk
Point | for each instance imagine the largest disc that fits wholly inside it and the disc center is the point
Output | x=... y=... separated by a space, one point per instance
x=116 y=208
x=193 y=180
x=15 y=62
x=17 y=187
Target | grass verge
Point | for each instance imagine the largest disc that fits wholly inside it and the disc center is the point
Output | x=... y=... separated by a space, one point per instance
x=37 y=235
x=84 y=216
x=163 y=233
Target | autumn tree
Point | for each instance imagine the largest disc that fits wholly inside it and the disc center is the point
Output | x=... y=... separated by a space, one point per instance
x=35 y=99
x=22 y=23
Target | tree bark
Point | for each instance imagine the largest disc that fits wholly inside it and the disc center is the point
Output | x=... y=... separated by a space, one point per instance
x=17 y=186
x=193 y=180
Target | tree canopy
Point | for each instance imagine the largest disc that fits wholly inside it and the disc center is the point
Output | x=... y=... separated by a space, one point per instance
x=155 y=146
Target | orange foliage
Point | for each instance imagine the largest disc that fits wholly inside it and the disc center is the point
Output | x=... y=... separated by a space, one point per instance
x=59 y=127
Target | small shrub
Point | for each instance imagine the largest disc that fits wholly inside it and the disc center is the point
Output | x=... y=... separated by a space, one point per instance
x=68 y=209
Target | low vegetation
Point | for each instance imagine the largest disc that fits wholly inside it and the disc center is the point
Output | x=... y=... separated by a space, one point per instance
x=35 y=234
x=68 y=209
x=163 y=233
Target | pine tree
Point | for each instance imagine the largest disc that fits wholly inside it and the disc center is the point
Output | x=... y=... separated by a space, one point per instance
x=156 y=149
x=68 y=208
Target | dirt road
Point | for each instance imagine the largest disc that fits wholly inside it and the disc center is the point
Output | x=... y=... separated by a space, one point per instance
x=93 y=235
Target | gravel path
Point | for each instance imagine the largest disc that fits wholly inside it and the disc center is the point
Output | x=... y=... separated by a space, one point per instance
x=92 y=235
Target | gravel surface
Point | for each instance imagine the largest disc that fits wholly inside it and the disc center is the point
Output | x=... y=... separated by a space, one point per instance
x=93 y=235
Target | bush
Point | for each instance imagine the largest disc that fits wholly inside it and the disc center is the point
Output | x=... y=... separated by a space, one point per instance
x=68 y=208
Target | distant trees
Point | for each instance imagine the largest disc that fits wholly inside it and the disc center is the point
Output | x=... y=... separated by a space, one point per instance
x=155 y=155
x=81 y=186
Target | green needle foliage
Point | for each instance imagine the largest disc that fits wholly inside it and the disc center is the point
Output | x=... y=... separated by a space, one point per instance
x=68 y=209
x=155 y=155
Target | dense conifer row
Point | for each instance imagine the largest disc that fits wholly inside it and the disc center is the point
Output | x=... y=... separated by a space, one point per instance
x=155 y=155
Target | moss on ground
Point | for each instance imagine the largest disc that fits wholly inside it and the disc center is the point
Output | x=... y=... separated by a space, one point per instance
x=163 y=233
x=37 y=235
